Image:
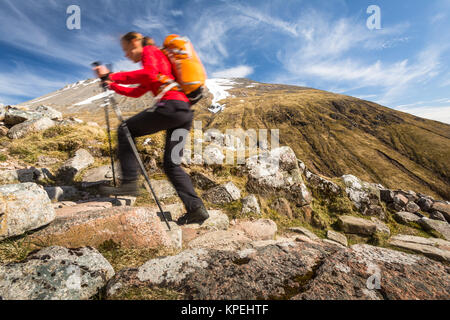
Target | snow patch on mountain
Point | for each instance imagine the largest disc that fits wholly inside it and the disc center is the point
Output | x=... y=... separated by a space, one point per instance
x=94 y=98
x=218 y=88
x=79 y=84
x=46 y=98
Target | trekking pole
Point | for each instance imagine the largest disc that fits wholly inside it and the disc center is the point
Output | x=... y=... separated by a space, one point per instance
x=108 y=126
x=148 y=186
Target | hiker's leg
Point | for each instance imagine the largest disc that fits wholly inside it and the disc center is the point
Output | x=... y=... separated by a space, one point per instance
x=168 y=114
x=177 y=176
x=142 y=124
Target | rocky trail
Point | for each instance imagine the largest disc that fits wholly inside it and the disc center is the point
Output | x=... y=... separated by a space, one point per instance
x=274 y=232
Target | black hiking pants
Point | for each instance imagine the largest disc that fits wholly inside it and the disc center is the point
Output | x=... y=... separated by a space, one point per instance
x=169 y=115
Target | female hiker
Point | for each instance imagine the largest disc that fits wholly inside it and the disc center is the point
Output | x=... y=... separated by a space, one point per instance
x=172 y=112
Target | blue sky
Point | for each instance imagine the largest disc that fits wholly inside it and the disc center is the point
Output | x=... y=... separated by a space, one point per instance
x=323 y=44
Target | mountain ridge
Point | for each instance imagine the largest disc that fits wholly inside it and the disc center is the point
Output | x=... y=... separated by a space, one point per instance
x=333 y=134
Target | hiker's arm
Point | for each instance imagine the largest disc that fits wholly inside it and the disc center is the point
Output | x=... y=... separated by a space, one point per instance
x=147 y=75
x=129 y=92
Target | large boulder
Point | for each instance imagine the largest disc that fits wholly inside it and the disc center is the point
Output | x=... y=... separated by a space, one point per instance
x=425 y=203
x=382 y=228
x=441 y=227
x=130 y=227
x=305 y=232
x=436 y=215
x=400 y=200
x=433 y=248
x=25 y=175
x=222 y=194
x=100 y=175
x=277 y=172
x=163 y=188
x=262 y=229
x=2 y=112
x=443 y=208
x=3 y=131
x=266 y=272
x=412 y=207
x=70 y=122
x=290 y=270
x=15 y=116
x=74 y=165
x=324 y=186
x=404 y=217
x=364 y=272
x=282 y=206
x=250 y=204
x=387 y=195
x=214 y=136
x=8 y=176
x=69 y=208
x=351 y=224
x=365 y=196
x=49 y=112
x=62 y=193
x=56 y=273
x=202 y=181
x=217 y=221
x=337 y=237
x=30 y=126
x=212 y=155
x=23 y=207
x=226 y=240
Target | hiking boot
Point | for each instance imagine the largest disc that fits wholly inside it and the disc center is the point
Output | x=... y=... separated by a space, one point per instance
x=129 y=188
x=199 y=215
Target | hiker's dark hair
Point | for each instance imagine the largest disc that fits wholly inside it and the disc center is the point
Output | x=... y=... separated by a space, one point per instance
x=146 y=41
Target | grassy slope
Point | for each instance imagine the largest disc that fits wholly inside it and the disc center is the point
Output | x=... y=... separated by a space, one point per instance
x=336 y=134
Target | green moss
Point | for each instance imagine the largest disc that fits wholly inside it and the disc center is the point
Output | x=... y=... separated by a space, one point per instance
x=121 y=258
x=15 y=249
x=146 y=293
x=232 y=209
x=329 y=206
x=59 y=142
x=379 y=239
x=413 y=229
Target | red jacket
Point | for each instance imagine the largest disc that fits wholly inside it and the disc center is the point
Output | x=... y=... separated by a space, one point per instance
x=154 y=63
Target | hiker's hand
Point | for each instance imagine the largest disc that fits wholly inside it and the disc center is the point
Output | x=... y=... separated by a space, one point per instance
x=101 y=71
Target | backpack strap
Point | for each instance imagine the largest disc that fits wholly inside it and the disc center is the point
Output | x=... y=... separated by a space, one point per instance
x=158 y=98
x=165 y=81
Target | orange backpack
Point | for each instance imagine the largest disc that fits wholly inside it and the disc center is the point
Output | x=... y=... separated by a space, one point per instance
x=187 y=68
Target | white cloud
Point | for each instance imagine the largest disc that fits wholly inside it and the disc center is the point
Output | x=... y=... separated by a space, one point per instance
x=150 y=23
x=394 y=42
x=37 y=29
x=325 y=56
x=446 y=82
x=421 y=103
x=441 y=113
x=176 y=13
x=210 y=34
x=366 y=96
x=438 y=17
x=269 y=19
x=236 y=72
x=24 y=83
x=126 y=65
